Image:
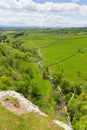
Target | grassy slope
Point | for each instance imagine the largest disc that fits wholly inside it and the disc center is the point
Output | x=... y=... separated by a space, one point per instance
x=37 y=77
x=31 y=121
x=43 y=85
x=63 y=49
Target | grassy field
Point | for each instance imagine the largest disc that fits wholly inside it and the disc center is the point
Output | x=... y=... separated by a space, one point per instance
x=31 y=121
x=63 y=49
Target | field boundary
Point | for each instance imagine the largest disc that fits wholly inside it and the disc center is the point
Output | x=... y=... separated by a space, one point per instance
x=58 y=62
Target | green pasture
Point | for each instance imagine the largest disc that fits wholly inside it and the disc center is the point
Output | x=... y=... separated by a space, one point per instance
x=63 y=49
x=72 y=67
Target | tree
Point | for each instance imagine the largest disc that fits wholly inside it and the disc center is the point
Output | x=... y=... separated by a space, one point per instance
x=57 y=78
x=65 y=86
x=35 y=92
x=29 y=71
x=77 y=88
x=81 y=124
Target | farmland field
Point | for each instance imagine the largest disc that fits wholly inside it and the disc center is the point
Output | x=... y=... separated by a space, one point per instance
x=63 y=49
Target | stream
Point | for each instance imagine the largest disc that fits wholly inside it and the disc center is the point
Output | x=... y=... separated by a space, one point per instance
x=40 y=67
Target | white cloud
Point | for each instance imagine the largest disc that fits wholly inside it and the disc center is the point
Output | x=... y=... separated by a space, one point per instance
x=27 y=12
x=29 y=5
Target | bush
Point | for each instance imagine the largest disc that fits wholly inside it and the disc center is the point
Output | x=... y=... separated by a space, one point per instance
x=57 y=78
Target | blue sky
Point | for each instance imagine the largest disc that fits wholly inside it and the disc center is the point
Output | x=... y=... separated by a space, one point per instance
x=62 y=1
x=56 y=1
x=43 y=13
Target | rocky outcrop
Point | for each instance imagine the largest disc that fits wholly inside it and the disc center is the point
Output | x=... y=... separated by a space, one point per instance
x=61 y=124
x=25 y=106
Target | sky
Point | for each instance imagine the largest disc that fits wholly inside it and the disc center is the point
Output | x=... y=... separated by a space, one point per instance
x=43 y=13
